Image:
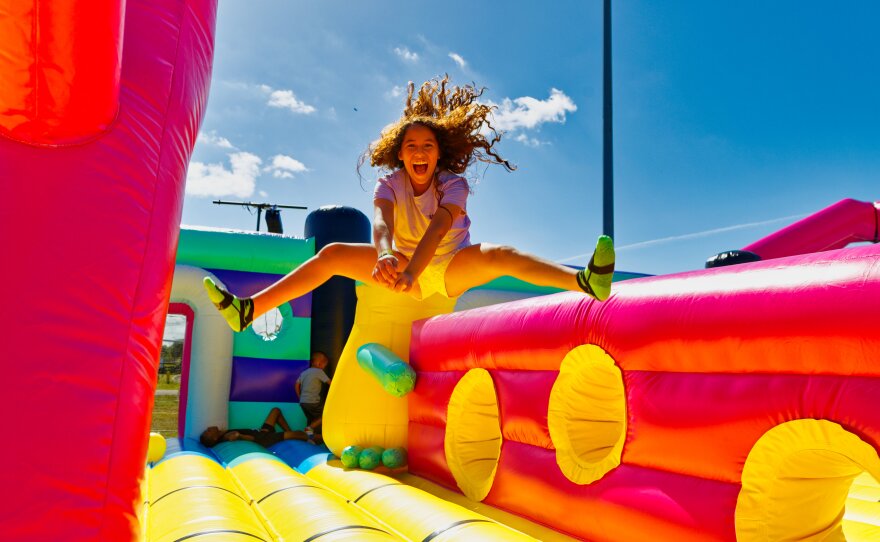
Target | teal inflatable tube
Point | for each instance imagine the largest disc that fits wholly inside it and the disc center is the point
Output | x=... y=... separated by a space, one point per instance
x=395 y=375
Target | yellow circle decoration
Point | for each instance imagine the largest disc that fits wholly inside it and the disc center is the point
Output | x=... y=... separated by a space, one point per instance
x=473 y=434
x=798 y=481
x=587 y=414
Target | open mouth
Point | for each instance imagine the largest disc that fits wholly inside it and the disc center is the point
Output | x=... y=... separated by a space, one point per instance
x=420 y=168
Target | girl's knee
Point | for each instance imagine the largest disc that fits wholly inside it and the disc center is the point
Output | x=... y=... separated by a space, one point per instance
x=335 y=252
x=331 y=250
x=498 y=254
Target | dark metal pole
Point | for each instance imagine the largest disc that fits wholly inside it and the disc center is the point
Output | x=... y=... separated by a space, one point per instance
x=259 y=206
x=607 y=139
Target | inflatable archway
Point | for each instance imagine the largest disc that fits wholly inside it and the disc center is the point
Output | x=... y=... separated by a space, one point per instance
x=210 y=344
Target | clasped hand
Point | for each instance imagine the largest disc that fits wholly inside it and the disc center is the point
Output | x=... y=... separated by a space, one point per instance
x=386 y=274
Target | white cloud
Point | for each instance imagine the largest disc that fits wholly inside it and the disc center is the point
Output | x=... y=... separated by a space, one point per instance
x=286 y=99
x=283 y=167
x=528 y=112
x=175 y=328
x=458 y=60
x=237 y=85
x=406 y=54
x=397 y=91
x=206 y=180
x=211 y=138
x=263 y=194
x=528 y=141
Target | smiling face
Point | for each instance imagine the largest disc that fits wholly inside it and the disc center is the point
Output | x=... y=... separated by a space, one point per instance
x=419 y=153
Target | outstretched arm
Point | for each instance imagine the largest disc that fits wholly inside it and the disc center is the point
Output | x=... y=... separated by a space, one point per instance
x=235 y=435
x=385 y=271
x=437 y=229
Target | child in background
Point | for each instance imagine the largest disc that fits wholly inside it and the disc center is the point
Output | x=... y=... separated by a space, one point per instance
x=308 y=389
x=265 y=436
x=421 y=240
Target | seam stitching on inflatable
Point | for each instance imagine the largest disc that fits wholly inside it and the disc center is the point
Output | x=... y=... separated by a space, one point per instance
x=374 y=489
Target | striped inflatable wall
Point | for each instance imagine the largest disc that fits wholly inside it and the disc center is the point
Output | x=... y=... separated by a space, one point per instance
x=253 y=374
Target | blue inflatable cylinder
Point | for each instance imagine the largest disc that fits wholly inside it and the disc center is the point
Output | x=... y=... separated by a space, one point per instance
x=395 y=375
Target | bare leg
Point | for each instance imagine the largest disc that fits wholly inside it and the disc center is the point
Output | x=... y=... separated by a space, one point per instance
x=352 y=260
x=277 y=417
x=272 y=418
x=282 y=421
x=295 y=435
x=315 y=424
x=481 y=263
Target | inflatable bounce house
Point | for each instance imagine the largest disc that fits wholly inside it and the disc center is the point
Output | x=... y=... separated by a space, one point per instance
x=737 y=402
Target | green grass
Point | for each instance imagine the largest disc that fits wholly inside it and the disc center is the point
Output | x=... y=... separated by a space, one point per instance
x=165 y=409
x=165 y=416
x=164 y=385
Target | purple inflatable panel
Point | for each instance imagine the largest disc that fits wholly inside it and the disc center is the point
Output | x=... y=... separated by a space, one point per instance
x=265 y=380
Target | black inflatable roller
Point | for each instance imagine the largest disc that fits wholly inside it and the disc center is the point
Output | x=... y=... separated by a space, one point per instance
x=731 y=257
x=334 y=302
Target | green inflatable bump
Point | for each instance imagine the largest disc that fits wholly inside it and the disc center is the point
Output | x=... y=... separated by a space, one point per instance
x=394 y=457
x=393 y=374
x=350 y=456
x=370 y=458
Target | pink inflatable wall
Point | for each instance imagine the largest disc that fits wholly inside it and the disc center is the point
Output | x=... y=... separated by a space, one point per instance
x=847 y=221
x=98 y=122
x=710 y=361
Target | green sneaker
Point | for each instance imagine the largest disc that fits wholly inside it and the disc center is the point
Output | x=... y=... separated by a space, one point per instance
x=596 y=278
x=238 y=311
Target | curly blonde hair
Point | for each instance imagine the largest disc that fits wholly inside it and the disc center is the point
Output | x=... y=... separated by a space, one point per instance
x=455 y=117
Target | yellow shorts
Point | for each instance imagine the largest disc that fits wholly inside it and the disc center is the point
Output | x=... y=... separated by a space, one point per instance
x=433 y=278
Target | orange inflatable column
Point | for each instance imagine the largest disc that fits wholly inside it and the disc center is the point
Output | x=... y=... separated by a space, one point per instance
x=60 y=66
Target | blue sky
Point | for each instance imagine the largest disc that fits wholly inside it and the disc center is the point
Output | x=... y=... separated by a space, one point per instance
x=732 y=119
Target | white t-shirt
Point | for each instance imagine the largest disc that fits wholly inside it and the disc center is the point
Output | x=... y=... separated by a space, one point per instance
x=310 y=385
x=412 y=213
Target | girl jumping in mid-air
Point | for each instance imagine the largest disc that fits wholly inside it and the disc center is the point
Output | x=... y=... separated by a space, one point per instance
x=421 y=243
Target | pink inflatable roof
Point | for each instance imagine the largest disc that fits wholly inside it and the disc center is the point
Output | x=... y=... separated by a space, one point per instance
x=847 y=221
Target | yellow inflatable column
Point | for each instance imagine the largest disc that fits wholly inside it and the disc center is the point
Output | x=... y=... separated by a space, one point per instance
x=297 y=508
x=143 y=512
x=192 y=496
x=415 y=514
x=358 y=411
